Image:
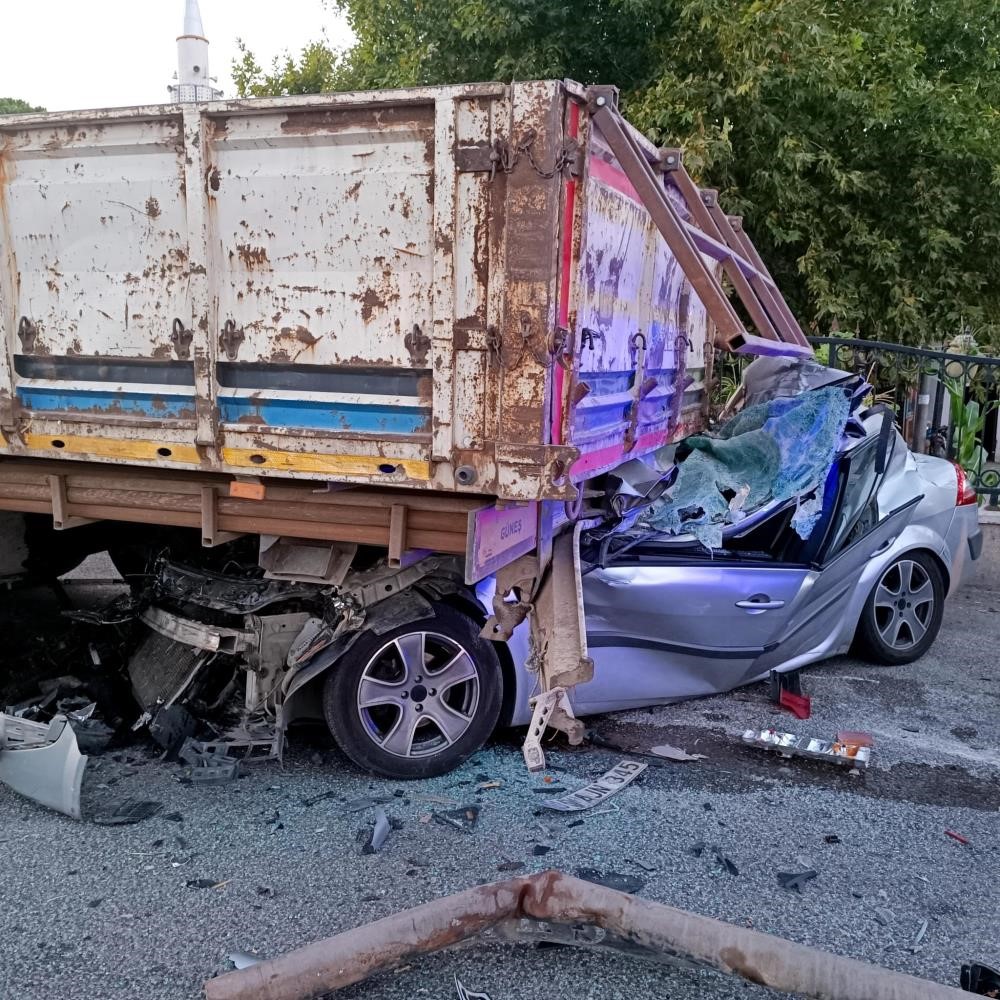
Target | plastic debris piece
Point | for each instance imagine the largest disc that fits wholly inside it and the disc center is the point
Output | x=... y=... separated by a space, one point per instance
x=794 y=881
x=510 y=866
x=790 y=745
x=642 y=865
x=313 y=799
x=127 y=811
x=462 y=819
x=919 y=937
x=675 y=753
x=203 y=883
x=241 y=960
x=465 y=994
x=956 y=836
x=613 y=880
x=540 y=850
x=832 y=838
x=699 y=848
x=856 y=737
x=379 y=834
x=622 y=774
x=487 y=785
x=798 y=704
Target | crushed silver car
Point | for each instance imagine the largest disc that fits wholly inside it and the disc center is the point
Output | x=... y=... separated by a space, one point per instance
x=890 y=536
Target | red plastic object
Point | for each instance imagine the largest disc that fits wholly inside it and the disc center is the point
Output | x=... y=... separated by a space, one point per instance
x=798 y=704
x=955 y=836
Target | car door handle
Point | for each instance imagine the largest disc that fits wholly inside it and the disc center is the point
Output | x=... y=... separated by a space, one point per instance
x=884 y=547
x=760 y=605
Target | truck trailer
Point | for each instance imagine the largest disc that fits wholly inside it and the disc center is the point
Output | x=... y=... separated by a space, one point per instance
x=323 y=373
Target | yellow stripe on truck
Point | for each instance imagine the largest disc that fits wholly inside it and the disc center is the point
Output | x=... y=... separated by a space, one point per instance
x=136 y=450
x=123 y=449
x=327 y=465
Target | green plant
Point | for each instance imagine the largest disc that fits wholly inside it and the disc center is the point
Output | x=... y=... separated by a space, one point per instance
x=968 y=417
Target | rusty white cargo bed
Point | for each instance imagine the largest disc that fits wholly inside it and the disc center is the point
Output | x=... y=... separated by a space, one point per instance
x=452 y=288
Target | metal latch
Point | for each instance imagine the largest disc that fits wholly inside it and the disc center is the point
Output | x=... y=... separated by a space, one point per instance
x=27 y=330
x=181 y=339
x=231 y=338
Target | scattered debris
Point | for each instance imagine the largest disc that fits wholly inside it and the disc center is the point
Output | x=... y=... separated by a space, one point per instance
x=241 y=960
x=510 y=866
x=920 y=936
x=127 y=811
x=42 y=761
x=210 y=763
x=464 y=994
x=441 y=800
x=956 y=836
x=379 y=834
x=487 y=785
x=622 y=774
x=172 y=726
x=613 y=880
x=204 y=883
x=462 y=819
x=721 y=860
x=832 y=838
x=540 y=850
x=790 y=745
x=884 y=916
x=549 y=790
x=675 y=753
x=794 y=881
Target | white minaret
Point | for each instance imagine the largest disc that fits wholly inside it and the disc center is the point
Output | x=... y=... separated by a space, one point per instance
x=193 y=83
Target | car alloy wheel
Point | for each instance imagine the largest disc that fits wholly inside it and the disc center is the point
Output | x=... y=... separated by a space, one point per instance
x=418 y=694
x=904 y=604
x=418 y=699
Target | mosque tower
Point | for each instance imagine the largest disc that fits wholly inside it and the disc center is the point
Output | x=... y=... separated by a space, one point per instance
x=193 y=82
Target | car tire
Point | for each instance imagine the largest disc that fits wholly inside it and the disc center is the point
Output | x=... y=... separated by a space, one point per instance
x=418 y=700
x=902 y=616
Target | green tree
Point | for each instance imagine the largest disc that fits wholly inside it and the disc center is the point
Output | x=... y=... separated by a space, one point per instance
x=12 y=106
x=858 y=140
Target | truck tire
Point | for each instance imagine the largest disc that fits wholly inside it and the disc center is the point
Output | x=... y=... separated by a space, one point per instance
x=902 y=616
x=418 y=700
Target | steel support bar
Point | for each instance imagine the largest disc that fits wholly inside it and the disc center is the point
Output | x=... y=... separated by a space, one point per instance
x=761 y=283
x=651 y=191
x=552 y=896
x=733 y=264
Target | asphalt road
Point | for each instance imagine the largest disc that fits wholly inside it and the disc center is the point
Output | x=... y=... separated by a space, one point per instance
x=107 y=913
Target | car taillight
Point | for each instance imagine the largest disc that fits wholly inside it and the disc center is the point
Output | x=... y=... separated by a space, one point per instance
x=966 y=491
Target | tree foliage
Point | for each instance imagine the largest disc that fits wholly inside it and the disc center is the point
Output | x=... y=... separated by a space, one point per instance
x=12 y=106
x=857 y=139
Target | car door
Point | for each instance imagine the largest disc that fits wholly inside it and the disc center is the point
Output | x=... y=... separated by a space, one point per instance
x=855 y=533
x=661 y=627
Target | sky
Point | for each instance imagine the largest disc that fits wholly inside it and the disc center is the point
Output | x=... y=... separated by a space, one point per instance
x=72 y=54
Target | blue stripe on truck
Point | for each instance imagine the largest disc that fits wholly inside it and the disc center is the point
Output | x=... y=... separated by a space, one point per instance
x=361 y=418
x=157 y=405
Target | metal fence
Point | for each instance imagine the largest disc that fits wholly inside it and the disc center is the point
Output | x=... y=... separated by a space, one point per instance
x=946 y=404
